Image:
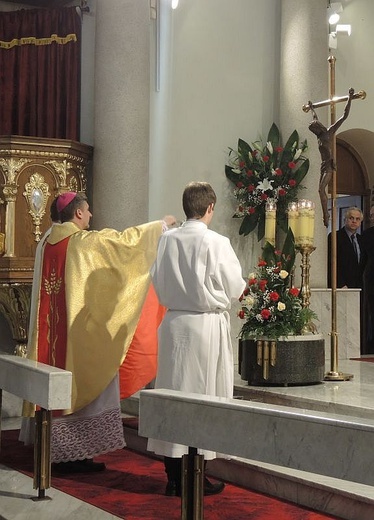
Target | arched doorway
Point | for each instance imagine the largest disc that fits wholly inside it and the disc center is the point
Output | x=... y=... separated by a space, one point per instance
x=355 y=167
x=354 y=181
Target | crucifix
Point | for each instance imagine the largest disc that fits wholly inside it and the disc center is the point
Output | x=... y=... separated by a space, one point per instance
x=327 y=147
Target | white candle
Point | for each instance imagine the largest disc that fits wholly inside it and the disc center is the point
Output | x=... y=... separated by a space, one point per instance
x=270 y=222
x=305 y=235
x=293 y=216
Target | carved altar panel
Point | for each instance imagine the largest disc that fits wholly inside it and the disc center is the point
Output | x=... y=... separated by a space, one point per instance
x=33 y=171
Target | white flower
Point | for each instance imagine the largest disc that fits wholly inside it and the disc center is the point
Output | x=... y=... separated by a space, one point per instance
x=248 y=302
x=252 y=276
x=269 y=146
x=265 y=185
x=297 y=154
x=283 y=274
x=281 y=306
x=236 y=170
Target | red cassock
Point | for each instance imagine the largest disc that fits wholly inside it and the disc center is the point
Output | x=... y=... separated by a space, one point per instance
x=140 y=365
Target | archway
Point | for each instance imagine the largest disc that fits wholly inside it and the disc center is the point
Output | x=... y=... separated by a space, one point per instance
x=355 y=176
x=355 y=166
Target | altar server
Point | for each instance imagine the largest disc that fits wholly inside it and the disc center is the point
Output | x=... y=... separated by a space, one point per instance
x=196 y=276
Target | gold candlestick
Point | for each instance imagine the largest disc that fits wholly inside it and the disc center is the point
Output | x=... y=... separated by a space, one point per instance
x=306 y=250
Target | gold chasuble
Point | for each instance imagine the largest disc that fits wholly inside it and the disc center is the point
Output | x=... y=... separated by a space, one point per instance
x=91 y=294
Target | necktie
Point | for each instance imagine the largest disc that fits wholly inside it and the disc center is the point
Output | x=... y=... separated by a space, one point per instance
x=355 y=246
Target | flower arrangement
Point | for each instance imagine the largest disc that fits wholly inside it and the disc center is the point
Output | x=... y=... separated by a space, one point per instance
x=270 y=306
x=263 y=172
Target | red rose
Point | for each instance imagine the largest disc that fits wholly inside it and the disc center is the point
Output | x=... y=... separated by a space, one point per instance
x=278 y=172
x=294 y=291
x=266 y=158
x=249 y=173
x=292 y=182
x=265 y=313
x=274 y=296
x=279 y=149
x=241 y=164
x=262 y=284
x=250 y=188
x=251 y=210
x=240 y=208
x=281 y=192
x=264 y=196
x=252 y=281
x=241 y=314
x=261 y=263
x=239 y=184
x=246 y=292
x=292 y=165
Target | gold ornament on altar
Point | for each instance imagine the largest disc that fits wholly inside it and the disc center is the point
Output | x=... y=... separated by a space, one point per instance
x=2 y=244
x=37 y=194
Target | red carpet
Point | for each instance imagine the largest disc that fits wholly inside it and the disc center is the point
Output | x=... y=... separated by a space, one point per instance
x=132 y=488
x=370 y=359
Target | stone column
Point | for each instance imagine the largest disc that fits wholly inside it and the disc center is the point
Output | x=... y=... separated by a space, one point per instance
x=121 y=128
x=304 y=77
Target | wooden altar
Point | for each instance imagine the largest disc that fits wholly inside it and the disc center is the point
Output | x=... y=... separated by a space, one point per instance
x=33 y=171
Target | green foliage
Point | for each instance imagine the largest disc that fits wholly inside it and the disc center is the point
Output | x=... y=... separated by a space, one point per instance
x=266 y=171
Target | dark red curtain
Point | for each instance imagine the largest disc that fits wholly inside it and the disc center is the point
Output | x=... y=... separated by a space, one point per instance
x=40 y=53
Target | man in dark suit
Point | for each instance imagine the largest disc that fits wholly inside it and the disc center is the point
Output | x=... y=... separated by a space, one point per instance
x=348 y=251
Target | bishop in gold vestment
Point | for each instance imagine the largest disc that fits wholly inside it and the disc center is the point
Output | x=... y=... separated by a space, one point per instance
x=92 y=289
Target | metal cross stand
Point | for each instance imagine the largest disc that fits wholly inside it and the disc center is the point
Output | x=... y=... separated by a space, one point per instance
x=327 y=147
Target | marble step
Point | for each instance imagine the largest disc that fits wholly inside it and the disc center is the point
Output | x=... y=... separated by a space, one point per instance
x=343 y=499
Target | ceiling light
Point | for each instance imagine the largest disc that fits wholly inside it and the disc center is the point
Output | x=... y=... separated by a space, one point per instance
x=333 y=11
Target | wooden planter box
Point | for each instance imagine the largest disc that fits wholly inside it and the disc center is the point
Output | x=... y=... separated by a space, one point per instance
x=296 y=360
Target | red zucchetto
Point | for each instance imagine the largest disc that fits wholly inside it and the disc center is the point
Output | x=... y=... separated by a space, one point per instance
x=64 y=199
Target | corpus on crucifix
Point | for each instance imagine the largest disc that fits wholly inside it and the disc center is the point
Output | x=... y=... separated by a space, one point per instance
x=327 y=148
x=324 y=138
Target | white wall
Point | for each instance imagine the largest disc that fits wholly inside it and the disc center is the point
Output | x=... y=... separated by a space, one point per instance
x=354 y=62
x=219 y=82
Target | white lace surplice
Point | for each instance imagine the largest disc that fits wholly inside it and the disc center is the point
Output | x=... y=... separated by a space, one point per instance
x=92 y=431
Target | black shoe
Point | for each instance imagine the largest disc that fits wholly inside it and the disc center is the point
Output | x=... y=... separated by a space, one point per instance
x=172 y=489
x=78 y=466
x=212 y=489
x=92 y=467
